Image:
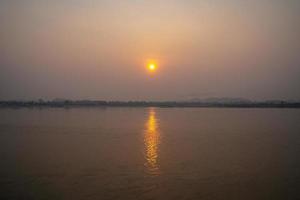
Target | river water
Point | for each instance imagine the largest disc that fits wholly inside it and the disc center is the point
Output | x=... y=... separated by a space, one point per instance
x=149 y=153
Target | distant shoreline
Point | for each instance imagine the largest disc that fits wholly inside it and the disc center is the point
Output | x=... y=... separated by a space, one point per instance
x=165 y=104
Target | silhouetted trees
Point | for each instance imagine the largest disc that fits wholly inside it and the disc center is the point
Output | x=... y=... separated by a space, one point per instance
x=94 y=103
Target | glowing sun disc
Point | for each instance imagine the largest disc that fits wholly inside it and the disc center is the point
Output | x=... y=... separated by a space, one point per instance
x=152 y=67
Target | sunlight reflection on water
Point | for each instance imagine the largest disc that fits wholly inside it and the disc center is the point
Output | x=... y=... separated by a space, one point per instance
x=152 y=140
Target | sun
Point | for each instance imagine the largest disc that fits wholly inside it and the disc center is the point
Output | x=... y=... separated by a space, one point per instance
x=151 y=66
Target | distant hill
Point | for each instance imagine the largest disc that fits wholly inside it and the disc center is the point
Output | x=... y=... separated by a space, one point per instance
x=226 y=100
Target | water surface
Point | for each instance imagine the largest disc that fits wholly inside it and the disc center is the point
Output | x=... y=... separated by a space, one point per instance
x=149 y=153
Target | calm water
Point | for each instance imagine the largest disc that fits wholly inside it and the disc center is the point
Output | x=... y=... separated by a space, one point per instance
x=149 y=153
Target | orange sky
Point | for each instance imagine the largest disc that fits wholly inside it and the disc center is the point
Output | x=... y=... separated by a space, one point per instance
x=98 y=49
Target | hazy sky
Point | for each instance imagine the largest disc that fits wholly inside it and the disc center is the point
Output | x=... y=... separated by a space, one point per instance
x=89 y=49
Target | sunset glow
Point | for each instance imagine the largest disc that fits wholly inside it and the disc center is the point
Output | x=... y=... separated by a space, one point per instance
x=161 y=99
x=196 y=47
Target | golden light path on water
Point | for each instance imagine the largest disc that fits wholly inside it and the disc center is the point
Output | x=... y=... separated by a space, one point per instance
x=152 y=140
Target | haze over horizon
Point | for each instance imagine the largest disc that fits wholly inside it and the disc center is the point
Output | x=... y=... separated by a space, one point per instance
x=88 y=49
